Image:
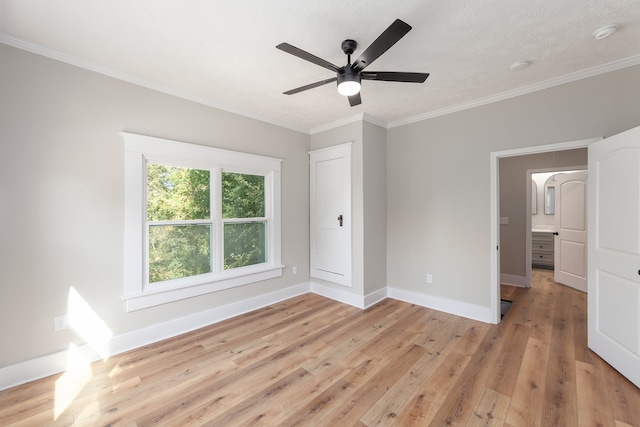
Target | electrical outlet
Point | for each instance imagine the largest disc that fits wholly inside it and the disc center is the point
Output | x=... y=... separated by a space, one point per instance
x=294 y=269
x=429 y=278
x=60 y=323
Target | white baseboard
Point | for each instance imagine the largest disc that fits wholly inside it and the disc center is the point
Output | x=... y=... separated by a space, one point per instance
x=510 y=279
x=459 y=308
x=51 y=364
x=347 y=297
x=337 y=294
x=375 y=297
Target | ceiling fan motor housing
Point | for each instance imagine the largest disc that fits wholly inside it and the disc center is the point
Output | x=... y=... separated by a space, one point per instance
x=349 y=46
x=348 y=74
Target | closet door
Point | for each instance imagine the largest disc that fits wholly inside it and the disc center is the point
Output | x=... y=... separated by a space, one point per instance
x=330 y=214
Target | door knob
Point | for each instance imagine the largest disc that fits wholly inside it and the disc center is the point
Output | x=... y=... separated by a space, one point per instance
x=340 y=220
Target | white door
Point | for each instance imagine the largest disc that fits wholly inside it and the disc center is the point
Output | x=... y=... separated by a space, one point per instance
x=614 y=252
x=330 y=214
x=570 y=246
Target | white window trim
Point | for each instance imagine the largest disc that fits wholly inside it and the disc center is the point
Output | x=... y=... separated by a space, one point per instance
x=140 y=148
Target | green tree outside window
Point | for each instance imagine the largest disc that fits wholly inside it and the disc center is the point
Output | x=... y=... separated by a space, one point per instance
x=175 y=195
x=243 y=205
x=180 y=221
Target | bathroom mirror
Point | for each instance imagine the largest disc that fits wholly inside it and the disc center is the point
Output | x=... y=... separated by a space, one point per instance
x=550 y=195
x=549 y=200
x=534 y=198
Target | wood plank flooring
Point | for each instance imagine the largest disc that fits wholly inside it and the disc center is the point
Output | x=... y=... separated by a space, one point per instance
x=313 y=361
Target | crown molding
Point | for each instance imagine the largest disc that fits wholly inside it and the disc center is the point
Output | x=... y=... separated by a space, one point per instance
x=568 y=78
x=361 y=117
x=374 y=120
x=137 y=80
x=336 y=124
x=149 y=84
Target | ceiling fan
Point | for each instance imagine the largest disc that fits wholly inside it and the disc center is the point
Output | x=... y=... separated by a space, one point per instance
x=350 y=75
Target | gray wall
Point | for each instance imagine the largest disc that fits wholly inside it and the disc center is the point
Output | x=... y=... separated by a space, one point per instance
x=438 y=171
x=513 y=187
x=375 y=208
x=61 y=195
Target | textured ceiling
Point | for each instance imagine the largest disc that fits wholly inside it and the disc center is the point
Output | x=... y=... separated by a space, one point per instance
x=223 y=53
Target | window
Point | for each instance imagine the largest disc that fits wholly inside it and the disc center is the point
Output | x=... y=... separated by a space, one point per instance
x=245 y=225
x=179 y=223
x=197 y=220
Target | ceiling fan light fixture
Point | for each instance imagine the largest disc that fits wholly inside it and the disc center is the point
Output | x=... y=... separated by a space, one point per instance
x=348 y=88
x=348 y=83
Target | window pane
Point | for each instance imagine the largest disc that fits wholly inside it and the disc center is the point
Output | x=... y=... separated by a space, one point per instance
x=175 y=193
x=244 y=244
x=242 y=195
x=177 y=251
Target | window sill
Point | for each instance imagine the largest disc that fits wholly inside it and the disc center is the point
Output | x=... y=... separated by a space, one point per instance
x=156 y=295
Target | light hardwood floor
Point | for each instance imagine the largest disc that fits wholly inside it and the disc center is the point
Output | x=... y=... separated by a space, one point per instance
x=313 y=361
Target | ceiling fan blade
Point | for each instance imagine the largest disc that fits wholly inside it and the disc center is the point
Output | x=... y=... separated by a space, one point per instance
x=286 y=47
x=388 y=38
x=310 y=86
x=355 y=100
x=394 y=76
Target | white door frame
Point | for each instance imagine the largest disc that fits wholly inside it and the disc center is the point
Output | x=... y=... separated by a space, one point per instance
x=495 y=208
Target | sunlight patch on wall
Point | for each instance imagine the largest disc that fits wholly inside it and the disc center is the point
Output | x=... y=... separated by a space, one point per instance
x=76 y=376
x=88 y=325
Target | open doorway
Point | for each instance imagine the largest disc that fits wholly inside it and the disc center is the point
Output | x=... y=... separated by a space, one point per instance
x=511 y=209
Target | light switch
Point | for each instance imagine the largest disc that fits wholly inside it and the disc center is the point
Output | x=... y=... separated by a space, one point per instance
x=504 y=220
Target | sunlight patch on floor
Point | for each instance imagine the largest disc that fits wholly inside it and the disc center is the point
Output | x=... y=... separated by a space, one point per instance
x=84 y=321
x=76 y=376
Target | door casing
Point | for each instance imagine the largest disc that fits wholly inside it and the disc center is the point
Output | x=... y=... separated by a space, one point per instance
x=330 y=214
x=495 y=209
